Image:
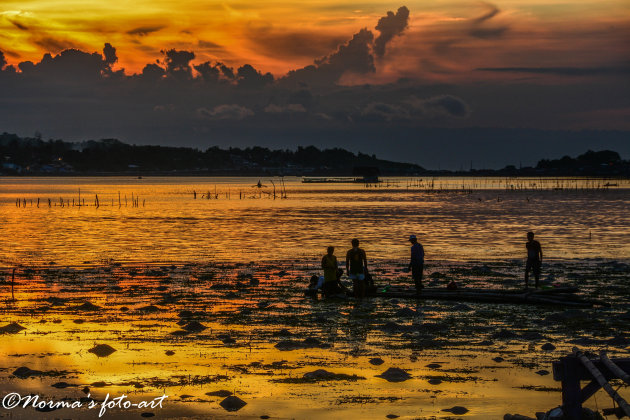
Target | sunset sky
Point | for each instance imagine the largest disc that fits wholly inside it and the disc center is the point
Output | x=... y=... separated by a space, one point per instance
x=278 y=36
x=559 y=65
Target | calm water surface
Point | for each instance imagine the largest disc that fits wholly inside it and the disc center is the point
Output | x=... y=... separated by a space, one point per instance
x=485 y=222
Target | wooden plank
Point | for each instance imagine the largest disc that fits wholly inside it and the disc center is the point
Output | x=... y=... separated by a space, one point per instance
x=612 y=366
x=603 y=382
x=589 y=390
x=584 y=375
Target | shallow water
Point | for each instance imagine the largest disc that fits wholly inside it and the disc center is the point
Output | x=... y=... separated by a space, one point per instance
x=239 y=265
x=139 y=314
x=455 y=219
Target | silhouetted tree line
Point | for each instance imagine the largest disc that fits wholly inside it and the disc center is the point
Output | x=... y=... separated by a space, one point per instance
x=34 y=155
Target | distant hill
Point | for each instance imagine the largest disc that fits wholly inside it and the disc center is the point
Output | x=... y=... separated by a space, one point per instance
x=110 y=156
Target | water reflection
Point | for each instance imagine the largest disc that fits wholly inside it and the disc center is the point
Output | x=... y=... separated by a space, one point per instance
x=461 y=223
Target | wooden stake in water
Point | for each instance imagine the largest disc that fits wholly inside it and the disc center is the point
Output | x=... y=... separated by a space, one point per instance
x=12 y=283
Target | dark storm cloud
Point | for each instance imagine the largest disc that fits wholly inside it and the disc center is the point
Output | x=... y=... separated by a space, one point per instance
x=109 y=53
x=178 y=63
x=179 y=101
x=145 y=30
x=228 y=72
x=354 y=56
x=71 y=65
x=248 y=76
x=152 y=72
x=209 y=72
x=389 y=27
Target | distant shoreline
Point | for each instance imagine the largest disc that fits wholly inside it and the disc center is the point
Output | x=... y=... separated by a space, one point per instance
x=480 y=174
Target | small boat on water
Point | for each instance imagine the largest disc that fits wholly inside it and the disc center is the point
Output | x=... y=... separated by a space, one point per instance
x=339 y=179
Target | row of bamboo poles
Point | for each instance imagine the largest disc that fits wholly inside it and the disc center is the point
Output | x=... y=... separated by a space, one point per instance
x=440 y=184
x=80 y=202
x=244 y=194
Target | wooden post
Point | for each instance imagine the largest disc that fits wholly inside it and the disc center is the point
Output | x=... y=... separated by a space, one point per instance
x=621 y=374
x=12 y=282
x=571 y=401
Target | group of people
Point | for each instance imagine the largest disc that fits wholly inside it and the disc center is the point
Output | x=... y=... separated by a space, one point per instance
x=357 y=268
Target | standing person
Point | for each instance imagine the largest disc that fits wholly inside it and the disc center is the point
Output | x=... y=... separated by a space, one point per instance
x=330 y=266
x=356 y=267
x=416 y=265
x=534 y=259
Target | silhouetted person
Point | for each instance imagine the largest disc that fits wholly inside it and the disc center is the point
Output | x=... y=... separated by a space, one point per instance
x=534 y=259
x=331 y=273
x=416 y=265
x=356 y=266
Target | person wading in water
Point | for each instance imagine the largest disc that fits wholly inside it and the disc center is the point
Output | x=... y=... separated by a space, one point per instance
x=356 y=267
x=416 y=265
x=534 y=259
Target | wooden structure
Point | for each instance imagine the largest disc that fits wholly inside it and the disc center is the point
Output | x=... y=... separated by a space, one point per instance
x=578 y=367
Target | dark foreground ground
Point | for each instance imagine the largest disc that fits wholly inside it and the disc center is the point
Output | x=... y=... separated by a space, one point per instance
x=199 y=333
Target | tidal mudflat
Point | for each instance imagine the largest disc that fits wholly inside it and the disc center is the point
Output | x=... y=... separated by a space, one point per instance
x=200 y=333
x=198 y=295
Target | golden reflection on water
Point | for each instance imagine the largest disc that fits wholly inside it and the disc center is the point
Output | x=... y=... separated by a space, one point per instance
x=178 y=253
x=58 y=336
x=456 y=219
